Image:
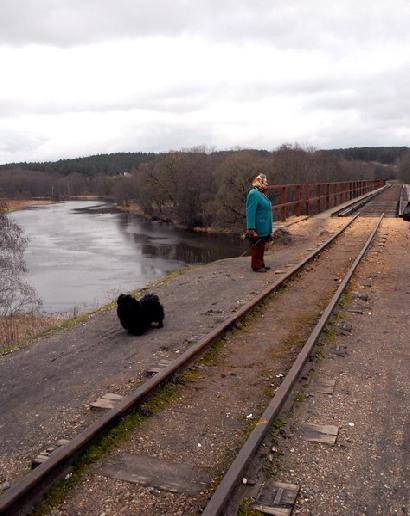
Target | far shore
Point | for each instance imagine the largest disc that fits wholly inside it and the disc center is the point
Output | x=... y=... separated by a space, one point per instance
x=20 y=204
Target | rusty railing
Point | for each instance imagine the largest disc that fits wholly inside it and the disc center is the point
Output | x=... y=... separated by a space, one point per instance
x=309 y=198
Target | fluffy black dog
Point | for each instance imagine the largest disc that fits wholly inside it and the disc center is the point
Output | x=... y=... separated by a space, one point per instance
x=136 y=316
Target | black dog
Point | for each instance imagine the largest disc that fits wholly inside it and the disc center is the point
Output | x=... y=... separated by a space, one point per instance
x=136 y=316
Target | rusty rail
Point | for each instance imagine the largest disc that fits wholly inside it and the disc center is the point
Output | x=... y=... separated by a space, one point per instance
x=310 y=198
x=221 y=497
x=27 y=492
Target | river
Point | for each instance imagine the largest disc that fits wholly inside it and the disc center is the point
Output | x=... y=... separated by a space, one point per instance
x=83 y=253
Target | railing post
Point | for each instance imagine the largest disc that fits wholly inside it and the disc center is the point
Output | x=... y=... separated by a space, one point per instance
x=318 y=196
x=298 y=200
x=307 y=189
x=283 y=200
x=327 y=195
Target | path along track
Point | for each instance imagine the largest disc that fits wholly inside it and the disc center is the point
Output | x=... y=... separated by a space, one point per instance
x=322 y=275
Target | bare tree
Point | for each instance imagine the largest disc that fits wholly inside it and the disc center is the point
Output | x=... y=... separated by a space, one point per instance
x=234 y=176
x=16 y=296
x=404 y=168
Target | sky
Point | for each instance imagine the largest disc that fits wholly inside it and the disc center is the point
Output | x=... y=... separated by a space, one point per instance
x=81 y=77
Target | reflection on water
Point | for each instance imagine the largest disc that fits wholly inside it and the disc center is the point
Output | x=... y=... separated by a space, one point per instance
x=158 y=240
x=84 y=253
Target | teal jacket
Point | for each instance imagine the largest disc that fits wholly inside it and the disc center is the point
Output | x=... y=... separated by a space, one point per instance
x=258 y=213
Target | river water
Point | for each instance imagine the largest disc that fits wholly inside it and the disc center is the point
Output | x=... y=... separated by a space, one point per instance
x=84 y=253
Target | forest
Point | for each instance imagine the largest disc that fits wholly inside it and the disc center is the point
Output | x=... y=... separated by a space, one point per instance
x=196 y=187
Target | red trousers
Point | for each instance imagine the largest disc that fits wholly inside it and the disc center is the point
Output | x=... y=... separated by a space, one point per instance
x=257 y=251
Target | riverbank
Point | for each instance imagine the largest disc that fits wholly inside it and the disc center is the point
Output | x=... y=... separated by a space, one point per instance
x=136 y=209
x=21 y=204
x=18 y=329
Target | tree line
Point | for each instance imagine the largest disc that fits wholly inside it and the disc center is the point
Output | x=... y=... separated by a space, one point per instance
x=100 y=164
x=194 y=187
x=404 y=168
x=385 y=155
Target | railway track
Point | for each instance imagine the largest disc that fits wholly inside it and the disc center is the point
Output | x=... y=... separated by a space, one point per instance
x=235 y=474
x=27 y=492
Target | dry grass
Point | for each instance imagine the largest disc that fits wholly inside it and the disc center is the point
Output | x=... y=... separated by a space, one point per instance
x=16 y=328
x=84 y=198
x=20 y=204
x=131 y=207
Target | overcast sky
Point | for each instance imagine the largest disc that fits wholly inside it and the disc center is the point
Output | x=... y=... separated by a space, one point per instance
x=80 y=77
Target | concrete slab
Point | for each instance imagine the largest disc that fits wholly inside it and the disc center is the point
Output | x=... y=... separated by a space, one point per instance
x=102 y=404
x=320 y=433
x=112 y=396
x=161 y=474
x=322 y=386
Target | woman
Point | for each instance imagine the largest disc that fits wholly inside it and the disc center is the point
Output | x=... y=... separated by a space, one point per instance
x=258 y=221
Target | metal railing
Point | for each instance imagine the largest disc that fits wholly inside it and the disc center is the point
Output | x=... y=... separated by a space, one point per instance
x=310 y=198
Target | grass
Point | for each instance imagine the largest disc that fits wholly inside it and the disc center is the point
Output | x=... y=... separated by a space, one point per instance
x=104 y=444
x=161 y=400
x=245 y=510
x=211 y=357
x=22 y=328
x=20 y=204
x=168 y=394
x=190 y=375
x=345 y=298
x=329 y=334
x=269 y=391
x=278 y=423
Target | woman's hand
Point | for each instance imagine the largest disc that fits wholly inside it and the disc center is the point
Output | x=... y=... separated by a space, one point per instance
x=251 y=233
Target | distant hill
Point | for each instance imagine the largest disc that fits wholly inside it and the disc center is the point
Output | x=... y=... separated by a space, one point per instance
x=109 y=164
x=385 y=155
x=120 y=162
x=100 y=164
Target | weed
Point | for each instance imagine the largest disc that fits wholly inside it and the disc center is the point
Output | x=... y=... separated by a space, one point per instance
x=278 y=423
x=269 y=391
x=161 y=400
x=103 y=445
x=345 y=298
x=211 y=356
x=190 y=375
x=329 y=334
x=245 y=510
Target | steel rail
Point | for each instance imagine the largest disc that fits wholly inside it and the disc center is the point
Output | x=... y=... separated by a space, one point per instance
x=29 y=490
x=234 y=475
x=356 y=205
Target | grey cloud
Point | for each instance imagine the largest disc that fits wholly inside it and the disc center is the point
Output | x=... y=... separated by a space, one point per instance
x=377 y=98
x=185 y=99
x=15 y=143
x=291 y=24
x=156 y=137
x=72 y=22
